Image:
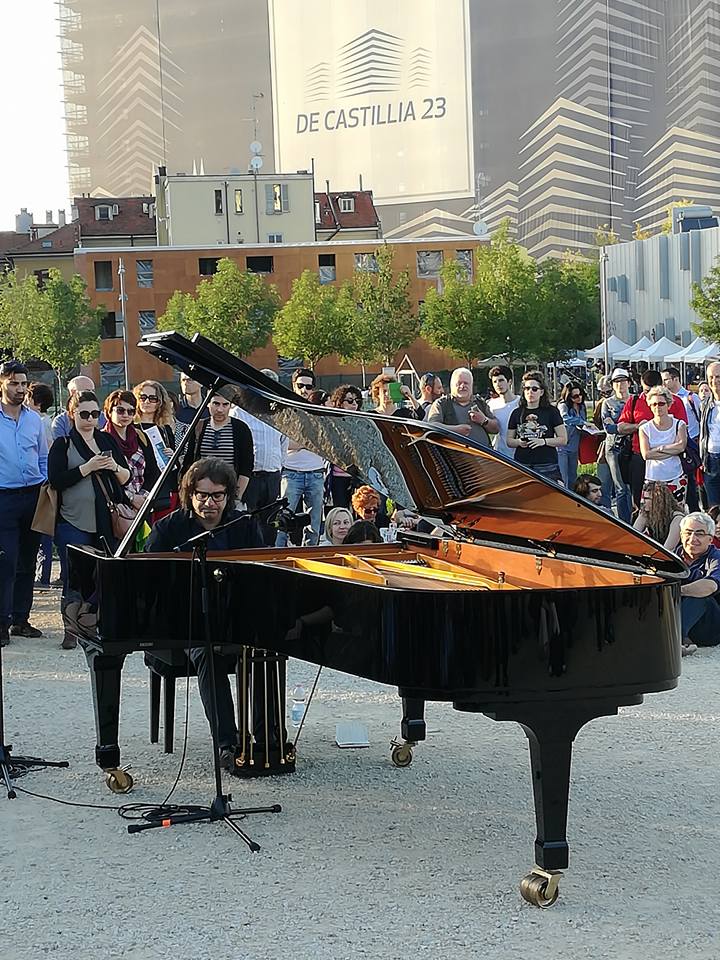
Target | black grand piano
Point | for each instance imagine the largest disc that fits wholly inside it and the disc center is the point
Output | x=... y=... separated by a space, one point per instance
x=525 y=603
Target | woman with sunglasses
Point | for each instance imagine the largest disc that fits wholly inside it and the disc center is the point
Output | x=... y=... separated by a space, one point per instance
x=345 y=397
x=662 y=440
x=574 y=413
x=536 y=429
x=119 y=409
x=86 y=469
x=155 y=409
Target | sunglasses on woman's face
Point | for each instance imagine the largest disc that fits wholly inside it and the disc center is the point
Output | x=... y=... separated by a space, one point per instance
x=149 y=397
x=124 y=411
x=370 y=510
x=350 y=399
x=88 y=414
x=576 y=396
x=532 y=389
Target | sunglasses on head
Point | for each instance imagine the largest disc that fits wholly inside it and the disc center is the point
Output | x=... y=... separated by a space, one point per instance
x=124 y=411
x=149 y=397
x=88 y=414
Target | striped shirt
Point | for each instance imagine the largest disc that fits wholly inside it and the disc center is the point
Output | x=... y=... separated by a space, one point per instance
x=218 y=443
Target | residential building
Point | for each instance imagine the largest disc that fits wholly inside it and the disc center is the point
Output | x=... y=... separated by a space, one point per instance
x=153 y=274
x=201 y=210
x=348 y=215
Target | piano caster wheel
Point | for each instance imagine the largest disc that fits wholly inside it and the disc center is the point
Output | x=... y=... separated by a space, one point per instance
x=119 y=780
x=541 y=887
x=401 y=754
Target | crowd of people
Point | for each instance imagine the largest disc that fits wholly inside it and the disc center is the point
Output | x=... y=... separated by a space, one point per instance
x=657 y=460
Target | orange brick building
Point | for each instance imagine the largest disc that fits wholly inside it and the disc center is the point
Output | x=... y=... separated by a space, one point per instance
x=153 y=274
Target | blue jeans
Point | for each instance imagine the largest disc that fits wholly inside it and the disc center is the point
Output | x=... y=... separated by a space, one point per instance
x=307 y=486
x=66 y=534
x=712 y=479
x=700 y=618
x=18 y=553
x=623 y=500
x=567 y=461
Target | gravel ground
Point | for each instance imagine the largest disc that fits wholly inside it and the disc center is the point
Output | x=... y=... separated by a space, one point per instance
x=365 y=860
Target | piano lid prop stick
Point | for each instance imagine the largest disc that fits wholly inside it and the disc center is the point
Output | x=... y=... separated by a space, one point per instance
x=243 y=715
x=280 y=712
x=267 y=718
x=307 y=706
x=251 y=711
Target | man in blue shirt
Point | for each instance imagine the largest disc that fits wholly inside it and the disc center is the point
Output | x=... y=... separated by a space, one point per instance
x=699 y=608
x=23 y=468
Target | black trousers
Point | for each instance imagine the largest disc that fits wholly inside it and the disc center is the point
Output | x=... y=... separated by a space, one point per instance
x=637 y=478
x=18 y=552
x=226 y=725
x=263 y=488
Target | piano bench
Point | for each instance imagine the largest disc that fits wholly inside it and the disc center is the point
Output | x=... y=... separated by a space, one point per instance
x=165 y=669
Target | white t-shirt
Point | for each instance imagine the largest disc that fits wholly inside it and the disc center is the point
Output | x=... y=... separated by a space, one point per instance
x=501 y=412
x=714 y=429
x=664 y=470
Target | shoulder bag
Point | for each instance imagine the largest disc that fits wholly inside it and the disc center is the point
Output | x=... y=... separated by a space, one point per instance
x=121 y=514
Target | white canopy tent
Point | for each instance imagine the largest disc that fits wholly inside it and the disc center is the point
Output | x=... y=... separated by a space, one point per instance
x=614 y=345
x=632 y=352
x=710 y=352
x=680 y=357
x=658 y=351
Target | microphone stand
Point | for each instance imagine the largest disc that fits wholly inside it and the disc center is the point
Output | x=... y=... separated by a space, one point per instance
x=220 y=808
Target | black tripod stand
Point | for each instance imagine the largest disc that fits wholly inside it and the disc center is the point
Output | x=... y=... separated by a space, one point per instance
x=220 y=808
x=8 y=763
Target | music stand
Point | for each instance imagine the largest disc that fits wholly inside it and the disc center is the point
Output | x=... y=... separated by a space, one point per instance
x=8 y=763
x=220 y=808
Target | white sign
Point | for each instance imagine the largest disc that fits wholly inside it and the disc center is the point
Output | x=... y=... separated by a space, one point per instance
x=375 y=88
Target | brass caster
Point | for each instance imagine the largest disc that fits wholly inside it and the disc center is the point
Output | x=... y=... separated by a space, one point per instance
x=401 y=754
x=118 y=780
x=541 y=887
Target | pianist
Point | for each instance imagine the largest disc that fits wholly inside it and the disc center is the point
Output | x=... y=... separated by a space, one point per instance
x=207 y=495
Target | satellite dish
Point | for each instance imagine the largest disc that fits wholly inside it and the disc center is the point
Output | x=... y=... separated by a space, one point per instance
x=480 y=228
x=256 y=148
x=256 y=162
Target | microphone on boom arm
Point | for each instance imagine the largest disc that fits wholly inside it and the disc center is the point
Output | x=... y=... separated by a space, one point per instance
x=275 y=514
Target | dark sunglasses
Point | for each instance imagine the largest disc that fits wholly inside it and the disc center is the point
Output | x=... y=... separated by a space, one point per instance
x=533 y=389
x=304 y=386
x=370 y=510
x=149 y=397
x=350 y=399
x=88 y=414
x=124 y=411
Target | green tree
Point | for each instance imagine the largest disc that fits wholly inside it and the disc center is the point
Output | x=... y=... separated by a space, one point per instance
x=568 y=306
x=667 y=222
x=20 y=306
x=451 y=320
x=310 y=324
x=67 y=330
x=605 y=236
x=705 y=302
x=233 y=307
x=379 y=320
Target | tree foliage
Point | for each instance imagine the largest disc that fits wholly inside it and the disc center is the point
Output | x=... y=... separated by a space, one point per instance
x=705 y=302
x=568 y=314
x=20 y=306
x=234 y=308
x=379 y=320
x=667 y=225
x=451 y=320
x=311 y=324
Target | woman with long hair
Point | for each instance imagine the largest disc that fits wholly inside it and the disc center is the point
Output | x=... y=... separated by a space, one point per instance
x=155 y=409
x=536 y=430
x=572 y=409
x=120 y=408
x=660 y=514
x=341 y=483
x=662 y=440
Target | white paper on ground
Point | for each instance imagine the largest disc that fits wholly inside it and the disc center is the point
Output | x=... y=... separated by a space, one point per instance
x=351 y=733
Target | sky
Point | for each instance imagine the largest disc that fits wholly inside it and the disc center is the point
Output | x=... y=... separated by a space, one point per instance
x=33 y=166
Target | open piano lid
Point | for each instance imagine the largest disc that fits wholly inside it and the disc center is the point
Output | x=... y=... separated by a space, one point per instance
x=485 y=496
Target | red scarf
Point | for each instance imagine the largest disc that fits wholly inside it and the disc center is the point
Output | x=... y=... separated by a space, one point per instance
x=130 y=444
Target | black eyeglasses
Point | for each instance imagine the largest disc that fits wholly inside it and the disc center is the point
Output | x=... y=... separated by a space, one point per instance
x=88 y=414
x=203 y=496
x=149 y=397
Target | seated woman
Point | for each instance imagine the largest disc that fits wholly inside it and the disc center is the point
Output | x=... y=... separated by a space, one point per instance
x=88 y=470
x=660 y=514
x=207 y=496
x=337 y=523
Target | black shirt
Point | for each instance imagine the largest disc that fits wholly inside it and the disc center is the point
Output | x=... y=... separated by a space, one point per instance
x=529 y=424
x=176 y=529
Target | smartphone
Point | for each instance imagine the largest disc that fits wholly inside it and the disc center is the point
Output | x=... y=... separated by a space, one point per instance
x=395 y=391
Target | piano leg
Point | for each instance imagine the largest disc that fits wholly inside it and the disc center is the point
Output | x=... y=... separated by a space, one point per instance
x=105 y=675
x=551 y=730
x=412 y=731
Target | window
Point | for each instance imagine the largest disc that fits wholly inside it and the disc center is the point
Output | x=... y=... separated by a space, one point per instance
x=366 y=263
x=42 y=277
x=103 y=275
x=326 y=267
x=144 y=273
x=207 y=266
x=465 y=259
x=112 y=375
x=429 y=263
x=275 y=238
x=46 y=244
x=238 y=201
x=277 y=199
x=146 y=319
x=218 y=202
x=260 y=264
x=347 y=204
x=318 y=216
x=103 y=213
x=111 y=328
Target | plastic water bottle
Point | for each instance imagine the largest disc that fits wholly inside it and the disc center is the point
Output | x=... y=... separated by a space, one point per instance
x=297 y=710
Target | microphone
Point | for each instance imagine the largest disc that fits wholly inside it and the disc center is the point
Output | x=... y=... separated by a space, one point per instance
x=267 y=514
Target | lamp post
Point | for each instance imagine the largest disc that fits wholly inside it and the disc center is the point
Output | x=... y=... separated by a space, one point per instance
x=123 y=317
x=603 y=307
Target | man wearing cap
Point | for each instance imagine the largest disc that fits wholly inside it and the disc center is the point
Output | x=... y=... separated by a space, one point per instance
x=610 y=411
x=23 y=468
x=635 y=412
x=431 y=389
